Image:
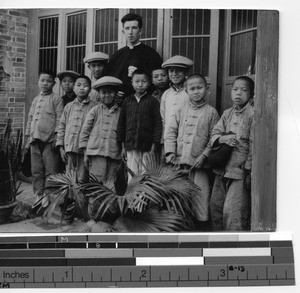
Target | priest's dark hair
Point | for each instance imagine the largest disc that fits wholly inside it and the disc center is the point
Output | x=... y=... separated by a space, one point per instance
x=132 y=16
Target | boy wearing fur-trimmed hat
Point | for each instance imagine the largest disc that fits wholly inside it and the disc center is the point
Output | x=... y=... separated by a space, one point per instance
x=178 y=67
x=98 y=137
x=97 y=62
x=67 y=80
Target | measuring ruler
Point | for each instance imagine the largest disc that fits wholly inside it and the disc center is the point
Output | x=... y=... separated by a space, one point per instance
x=146 y=260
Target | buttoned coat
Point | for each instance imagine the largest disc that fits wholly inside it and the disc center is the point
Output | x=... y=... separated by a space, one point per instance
x=172 y=98
x=99 y=132
x=239 y=122
x=189 y=132
x=44 y=116
x=71 y=122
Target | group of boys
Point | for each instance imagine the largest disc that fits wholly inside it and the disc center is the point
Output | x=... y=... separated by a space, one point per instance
x=122 y=113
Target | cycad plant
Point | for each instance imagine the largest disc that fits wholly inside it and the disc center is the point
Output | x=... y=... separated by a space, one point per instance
x=158 y=199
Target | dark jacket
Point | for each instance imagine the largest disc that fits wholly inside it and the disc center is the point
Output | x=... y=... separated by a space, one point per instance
x=141 y=56
x=67 y=99
x=140 y=124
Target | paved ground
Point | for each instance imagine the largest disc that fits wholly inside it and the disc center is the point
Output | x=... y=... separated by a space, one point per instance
x=19 y=222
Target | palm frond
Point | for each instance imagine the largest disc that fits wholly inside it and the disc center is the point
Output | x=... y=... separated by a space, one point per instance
x=153 y=220
x=173 y=195
x=91 y=227
x=57 y=198
x=62 y=190
x=102 y=200
x=80 y=204
x=153 y=167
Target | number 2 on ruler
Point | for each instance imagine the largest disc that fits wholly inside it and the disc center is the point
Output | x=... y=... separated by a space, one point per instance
x=143 y=274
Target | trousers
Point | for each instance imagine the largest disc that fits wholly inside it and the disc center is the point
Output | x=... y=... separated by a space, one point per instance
x=103 y=168
x=76 y=162
x=230 y=205
x=201 y=201
x=44 y=162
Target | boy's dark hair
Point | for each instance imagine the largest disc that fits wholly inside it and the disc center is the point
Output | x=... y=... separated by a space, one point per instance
x=132 y=16
x=49 y=72
x=250 y=82
x=86 y=78
x=197 y=75
x=160 y=68
x=140 y=71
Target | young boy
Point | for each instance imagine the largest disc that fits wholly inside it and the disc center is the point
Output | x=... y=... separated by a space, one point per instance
x=177 y=67
x=187 y=138
x=98 y=136
x=230 y=200
x=97 y=62
x=43 y=120
x=160 y=80
x=140 y=125
x=67 y=80
x=70 y=126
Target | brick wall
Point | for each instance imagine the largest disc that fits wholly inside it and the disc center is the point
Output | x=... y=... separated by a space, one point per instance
x=13 y=47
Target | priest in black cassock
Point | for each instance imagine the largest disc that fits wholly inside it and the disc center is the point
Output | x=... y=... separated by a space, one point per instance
x=135 y=55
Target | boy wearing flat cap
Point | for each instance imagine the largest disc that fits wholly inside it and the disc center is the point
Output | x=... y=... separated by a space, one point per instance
x=178 y=67
x=67 y=80
x=70 y=125
x=97 y=62
x=98 y=137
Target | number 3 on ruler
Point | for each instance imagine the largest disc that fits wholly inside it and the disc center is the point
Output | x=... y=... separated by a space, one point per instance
x=222 y=273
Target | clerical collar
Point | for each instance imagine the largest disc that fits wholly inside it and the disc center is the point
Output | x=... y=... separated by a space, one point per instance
x=131 y=47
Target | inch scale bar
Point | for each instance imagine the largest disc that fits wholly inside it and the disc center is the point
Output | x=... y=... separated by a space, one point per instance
x=148 y=276
x=146 y=260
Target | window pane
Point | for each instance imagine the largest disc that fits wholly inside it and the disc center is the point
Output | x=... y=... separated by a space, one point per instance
x=194 y=22
x=48 y=59
x=242 y=53
x=75 y=57
x=76 y=39
x=106 y=30
x=149 y=26
x=109 y=49
x=48 y=32
x=196 y=49
x=243 y=42
x=243 y=20
x=76 y=31
x=48 y=41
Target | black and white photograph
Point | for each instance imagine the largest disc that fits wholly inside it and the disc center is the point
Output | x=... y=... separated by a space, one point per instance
x=138 y=120
x=170 y=123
